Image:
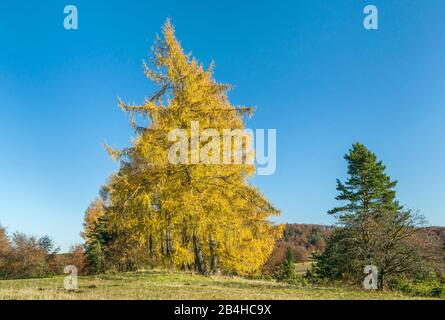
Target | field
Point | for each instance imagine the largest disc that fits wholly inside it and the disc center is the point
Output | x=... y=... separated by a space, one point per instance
x=176 y=286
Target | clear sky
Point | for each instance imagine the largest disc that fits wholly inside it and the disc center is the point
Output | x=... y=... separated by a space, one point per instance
x=311 y=69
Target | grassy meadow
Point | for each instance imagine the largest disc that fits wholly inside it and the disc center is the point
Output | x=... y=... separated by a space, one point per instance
x=152 y=285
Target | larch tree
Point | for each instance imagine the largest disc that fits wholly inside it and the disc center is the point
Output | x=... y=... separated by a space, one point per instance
x=199 y=214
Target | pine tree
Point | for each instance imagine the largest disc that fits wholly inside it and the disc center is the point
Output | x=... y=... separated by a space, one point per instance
x=373 y=228
x=287 y=270
x=198 y=215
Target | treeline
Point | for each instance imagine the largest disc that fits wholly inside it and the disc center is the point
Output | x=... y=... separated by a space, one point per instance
x=24 y=256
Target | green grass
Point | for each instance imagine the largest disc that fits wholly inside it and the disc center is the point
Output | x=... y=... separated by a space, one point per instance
x=177 y=286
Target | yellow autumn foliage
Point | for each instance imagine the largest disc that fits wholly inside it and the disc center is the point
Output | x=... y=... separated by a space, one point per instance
x=196 y=215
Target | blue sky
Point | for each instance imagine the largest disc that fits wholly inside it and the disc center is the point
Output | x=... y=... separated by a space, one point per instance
x=314 y=73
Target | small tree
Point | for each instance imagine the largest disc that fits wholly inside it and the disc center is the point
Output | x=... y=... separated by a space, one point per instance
x=96 y=237
x=286 y=271
x=76 y=257
x=94 y=257
x=28 y=259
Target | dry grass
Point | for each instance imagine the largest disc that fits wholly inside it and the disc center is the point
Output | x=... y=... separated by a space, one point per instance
x=302 y=267
x=174 y=286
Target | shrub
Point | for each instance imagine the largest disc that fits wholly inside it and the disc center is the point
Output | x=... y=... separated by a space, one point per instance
x=429 y=287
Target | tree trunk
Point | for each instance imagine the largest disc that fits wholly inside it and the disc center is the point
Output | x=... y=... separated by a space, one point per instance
x=169 y=244
x=162 y=243
x=199 y=258
x=213 y=257
x=150 y=244
x=381 y=283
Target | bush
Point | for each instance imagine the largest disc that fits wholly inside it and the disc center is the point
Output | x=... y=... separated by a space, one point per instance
x=299 y=280
x=431 y=287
